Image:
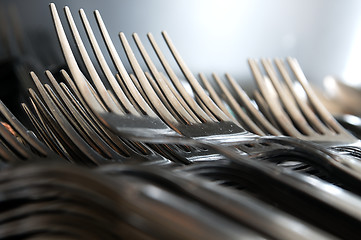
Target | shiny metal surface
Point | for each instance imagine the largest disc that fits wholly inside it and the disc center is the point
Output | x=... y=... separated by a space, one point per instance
x=134 y=133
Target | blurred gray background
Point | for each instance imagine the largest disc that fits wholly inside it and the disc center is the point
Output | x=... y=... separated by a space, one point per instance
x=219 y=35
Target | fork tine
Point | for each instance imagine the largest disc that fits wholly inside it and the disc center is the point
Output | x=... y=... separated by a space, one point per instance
x=204 y=107
x=220 y=115
x=159 y=82
x=121 y=69
x=70 y=133
x=72 y=64
x=13 y=143
x=139 y=87
x=134 y=149
x=245 y=119
x=22 y=131
x=287 y=100
x=89 y=65
x=157 y=104
x=307 y=111
x=95 y=94
x=263 y=106
x=121 y=152
x=214 y=96
x=45 y=133
x=160 y=94
x=127 y=105
x=276 y=109
x=79 y=78
x=170 y=101
x=251 y=108
x=84 y=107
x=320 y=108
x=7 y=155
x=196 y=109
x=46 y=125
x=57 y=135
x=113 y=140
x=128 y=95
x=85 y=129
x=114 y=98
x=181 y=100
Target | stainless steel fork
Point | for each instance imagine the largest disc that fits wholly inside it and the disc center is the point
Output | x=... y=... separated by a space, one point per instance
x=295 y=116
x=68 y=128
x=281 y=115
x=19 y=145
x=155 y=107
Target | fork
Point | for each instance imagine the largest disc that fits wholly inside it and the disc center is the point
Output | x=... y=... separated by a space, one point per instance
x=284 y=118
x=19 y=145
x=66 y=125
x=289 y=114
x=311 y=121
x=156 y=106
x=73 y=114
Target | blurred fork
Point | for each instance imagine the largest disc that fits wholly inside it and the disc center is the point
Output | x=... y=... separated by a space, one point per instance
x=65 y=125
x=18 y=144
x=300 y=118
x=241 y=106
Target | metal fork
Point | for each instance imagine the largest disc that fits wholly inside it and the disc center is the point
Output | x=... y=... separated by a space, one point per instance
x=67 y=127
x=306 y=119
x=155 y=107
x=19 y=145
x=240 y=106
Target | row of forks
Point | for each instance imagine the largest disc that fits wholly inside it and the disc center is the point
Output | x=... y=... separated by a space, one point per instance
x=156 y=98
x=150 y=118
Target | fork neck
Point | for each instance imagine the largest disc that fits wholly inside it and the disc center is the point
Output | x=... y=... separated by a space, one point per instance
x=216 y=132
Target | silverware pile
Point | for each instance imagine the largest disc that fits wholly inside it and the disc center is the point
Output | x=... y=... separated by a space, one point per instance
x=149 y=153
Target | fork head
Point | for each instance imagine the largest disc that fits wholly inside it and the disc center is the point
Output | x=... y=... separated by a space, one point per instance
x=19 y=144
x=296 y=116
x=150 y=104
x=70 y=128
